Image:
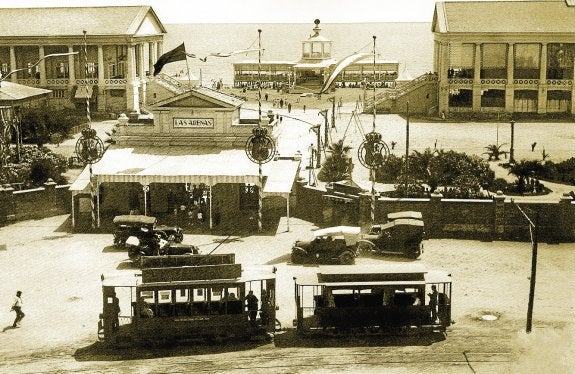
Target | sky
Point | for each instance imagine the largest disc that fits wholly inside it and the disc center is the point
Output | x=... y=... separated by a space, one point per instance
x=260 y=11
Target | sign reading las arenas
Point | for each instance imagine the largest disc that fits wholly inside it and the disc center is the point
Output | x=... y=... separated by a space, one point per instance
x=193 y=122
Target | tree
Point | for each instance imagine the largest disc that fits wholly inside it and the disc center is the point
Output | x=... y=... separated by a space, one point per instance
x=338 y=164
x=494 y=151
x=525 y=169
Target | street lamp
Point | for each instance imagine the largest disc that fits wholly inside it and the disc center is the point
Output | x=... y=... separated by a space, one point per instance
x=511 y=158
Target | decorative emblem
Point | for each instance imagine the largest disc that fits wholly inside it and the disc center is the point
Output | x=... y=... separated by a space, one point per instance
x=260 y=147
x=373 y=152
x=89 y=147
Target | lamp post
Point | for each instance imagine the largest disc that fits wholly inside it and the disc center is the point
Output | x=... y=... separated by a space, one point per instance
x=260 y=147
x=511 y=158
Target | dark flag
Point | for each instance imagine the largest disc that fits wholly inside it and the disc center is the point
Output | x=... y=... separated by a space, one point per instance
x=176 y=54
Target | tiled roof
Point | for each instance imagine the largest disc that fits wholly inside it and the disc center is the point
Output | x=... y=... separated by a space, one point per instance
x=551 y=16
x=72 y=21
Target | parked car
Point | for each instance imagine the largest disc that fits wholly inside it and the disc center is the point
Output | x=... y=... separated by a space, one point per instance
x=329 y=245
x=154 y=245
x=132 y=225
x=398 y=236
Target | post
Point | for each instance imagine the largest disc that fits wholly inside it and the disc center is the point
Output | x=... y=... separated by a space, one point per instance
x=287 y=211
x=533 y=273
x=511 y=158
x=333 y=113
x=407 y=151
x=318 y=157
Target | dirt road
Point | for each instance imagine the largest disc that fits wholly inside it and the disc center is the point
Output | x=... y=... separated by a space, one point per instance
x=59 y=274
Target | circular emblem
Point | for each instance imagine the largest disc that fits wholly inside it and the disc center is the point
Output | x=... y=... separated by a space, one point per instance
x=260 y=147
x=89 y=147
x=373 y=152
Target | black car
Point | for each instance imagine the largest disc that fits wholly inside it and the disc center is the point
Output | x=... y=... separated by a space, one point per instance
x=332 y=245
x=133 y=225
x=152 y=244
x=402 y=234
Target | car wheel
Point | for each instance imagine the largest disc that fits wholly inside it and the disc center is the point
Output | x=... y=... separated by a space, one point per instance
x=365 y=247
x=346 y=258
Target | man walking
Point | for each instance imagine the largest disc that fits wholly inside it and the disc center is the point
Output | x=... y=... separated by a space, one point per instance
x=17 y=307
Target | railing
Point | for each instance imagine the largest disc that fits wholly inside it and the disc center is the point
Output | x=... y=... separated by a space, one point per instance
x=526 y=81
x=560 y=82
x=400 y=90
x=116 y=81
x=86 y=81
x=29 y=82
x=58 y=81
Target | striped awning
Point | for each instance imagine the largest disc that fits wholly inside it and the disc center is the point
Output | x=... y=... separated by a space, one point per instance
x=177 y=165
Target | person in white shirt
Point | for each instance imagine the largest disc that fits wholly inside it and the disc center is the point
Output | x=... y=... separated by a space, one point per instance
x=17 y=307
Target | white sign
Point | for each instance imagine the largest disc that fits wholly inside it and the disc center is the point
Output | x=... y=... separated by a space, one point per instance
x=193 y=122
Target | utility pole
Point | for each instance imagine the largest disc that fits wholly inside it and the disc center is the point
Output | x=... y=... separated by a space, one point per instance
x=324 y=114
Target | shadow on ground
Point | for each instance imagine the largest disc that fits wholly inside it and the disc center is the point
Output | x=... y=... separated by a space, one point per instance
x=290 y=338
x=99 y=351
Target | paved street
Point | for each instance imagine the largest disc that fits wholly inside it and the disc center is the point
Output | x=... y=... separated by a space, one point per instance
x=59 y=274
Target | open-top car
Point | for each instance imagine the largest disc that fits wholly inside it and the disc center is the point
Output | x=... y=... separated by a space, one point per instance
x=132 y=225
x=153 y=245
x=330 y=245
x=400 y=235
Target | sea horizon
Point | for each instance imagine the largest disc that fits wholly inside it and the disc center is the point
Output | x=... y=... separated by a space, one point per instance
x=408 y=43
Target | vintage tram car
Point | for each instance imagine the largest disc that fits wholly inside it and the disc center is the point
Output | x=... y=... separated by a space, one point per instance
x=207 y=298
x=395 y=299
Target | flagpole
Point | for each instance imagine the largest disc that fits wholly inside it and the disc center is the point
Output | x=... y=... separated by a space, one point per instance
x=189 y=77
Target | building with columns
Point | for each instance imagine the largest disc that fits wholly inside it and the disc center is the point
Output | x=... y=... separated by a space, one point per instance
x=117 y=47
x=505 y=56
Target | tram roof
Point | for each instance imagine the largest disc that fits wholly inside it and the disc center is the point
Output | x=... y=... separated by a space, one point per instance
x=381 y=274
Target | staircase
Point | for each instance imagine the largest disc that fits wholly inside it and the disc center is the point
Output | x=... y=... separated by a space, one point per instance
x=174 y=85
x=385 y=100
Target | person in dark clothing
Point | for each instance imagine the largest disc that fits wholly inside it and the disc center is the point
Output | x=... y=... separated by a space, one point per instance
x=433 y=303
x=252 y=304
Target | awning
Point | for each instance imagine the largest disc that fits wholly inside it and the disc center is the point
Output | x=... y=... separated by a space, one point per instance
x=176 y=165
x=83 y=92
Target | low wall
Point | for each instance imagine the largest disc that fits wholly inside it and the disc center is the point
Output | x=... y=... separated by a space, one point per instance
x=47 y=201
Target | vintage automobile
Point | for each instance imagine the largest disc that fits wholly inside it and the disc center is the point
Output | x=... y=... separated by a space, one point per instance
x=131 y=225
x=330 y=245
x=153 y=245
x=401 y=235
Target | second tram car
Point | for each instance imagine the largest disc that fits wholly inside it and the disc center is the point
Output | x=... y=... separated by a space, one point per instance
x=187 y=303
x=392 y=299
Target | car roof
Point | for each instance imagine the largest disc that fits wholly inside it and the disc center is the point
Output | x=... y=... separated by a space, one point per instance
x=134 y=218
x=405 y=214
x=402 y=221
x=337 y=230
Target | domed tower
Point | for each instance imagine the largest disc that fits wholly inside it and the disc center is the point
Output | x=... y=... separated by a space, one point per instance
x=316 y=47
x=313 y=67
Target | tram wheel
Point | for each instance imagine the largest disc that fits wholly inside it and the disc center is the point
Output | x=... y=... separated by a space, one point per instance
x=346 y=258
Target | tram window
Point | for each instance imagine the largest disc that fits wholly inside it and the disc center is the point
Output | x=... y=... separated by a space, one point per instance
x=165 y=296
x=182 y=295
x=148 y=296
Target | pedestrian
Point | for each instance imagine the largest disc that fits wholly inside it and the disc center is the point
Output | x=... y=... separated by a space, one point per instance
x=266 y=96
x=289 y=107
x=393 y=143
x=433 y=302
x=304 y=108
x=17 y=307
x=252 y=304
x=533 y=146
x=281 y=103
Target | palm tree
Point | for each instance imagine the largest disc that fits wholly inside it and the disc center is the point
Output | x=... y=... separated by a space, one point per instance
x=494 y=151
x=338 y=165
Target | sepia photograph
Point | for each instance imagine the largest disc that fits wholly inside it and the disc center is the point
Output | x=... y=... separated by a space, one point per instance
x=287 y=186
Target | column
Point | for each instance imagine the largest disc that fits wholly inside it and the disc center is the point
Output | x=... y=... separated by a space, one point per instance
x=132 y=97
x=152 y=56
x=159 y=48
x=42 y=66
x=13 y=66
x=499 y=221
x=510 y=87
x=71 y=66
x=542 y=94
x=142 y=74
x=101 y=80
x=573 y=93
x=476 y=104
x=443 y=106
